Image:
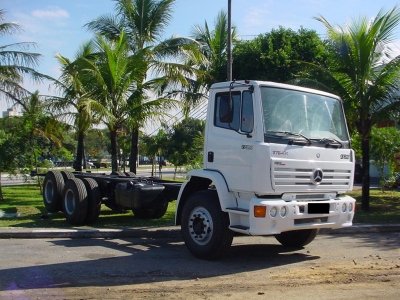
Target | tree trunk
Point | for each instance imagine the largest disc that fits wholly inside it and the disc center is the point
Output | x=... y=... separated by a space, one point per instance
x=134 y=150
x=1 y=191
x=365 y=174
x=84 y=155
x=113 y=139
x=79 y=153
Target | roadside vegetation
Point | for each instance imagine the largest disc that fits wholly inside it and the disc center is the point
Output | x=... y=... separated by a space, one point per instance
x=23 y=207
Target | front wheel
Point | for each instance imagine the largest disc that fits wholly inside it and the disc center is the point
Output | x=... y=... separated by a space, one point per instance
x=297 y=238
x=205 y=227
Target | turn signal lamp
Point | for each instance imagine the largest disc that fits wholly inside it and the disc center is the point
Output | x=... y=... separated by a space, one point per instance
x=260 y=211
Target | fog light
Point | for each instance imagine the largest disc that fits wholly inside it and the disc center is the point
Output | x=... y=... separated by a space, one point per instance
x=283 y=211
x=344 y=207
x=273 y=212
x=260 y=211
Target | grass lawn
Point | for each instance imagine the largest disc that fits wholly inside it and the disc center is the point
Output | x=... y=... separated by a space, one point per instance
x=27 y=202
x=384 y=207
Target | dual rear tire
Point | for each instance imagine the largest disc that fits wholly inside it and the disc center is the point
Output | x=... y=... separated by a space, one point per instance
x=78 y=199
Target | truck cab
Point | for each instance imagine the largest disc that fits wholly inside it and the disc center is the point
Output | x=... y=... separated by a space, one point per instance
x=277 y=161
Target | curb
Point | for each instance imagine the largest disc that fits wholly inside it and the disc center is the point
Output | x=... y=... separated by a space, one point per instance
x=158 y=232
x=144 y=232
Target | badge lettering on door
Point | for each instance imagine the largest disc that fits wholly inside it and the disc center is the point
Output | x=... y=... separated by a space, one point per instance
x=247 y=147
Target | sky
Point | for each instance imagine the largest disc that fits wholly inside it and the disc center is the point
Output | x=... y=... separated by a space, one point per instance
x=57 y=26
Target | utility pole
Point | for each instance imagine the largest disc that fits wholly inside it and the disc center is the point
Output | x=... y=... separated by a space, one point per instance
x=229 y=46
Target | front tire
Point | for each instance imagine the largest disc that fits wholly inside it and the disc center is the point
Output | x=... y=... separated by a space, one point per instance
x=297 y=238
x=205 y=227
x=75 y=201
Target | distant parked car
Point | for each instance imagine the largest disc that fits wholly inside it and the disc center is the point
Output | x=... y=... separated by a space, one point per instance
x=89 y=164
x=99 y=165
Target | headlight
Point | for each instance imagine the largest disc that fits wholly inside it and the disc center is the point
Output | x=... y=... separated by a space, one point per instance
x=283 y=211
x=350 y=207
x=273 y=212
x=344 y=207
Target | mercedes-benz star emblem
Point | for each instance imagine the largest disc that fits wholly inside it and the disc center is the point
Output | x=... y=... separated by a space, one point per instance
x=317 y=176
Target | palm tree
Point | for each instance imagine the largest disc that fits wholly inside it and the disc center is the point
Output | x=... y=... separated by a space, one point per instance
x=366 y=75
x=15 y=63
x=214 y=45
x=155 y=145
x=113 y=77
x=3 y=138
x=39 y=123
x=144 y=21
x=76 y=96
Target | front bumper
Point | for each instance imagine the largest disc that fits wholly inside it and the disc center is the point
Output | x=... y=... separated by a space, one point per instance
x=298 y=215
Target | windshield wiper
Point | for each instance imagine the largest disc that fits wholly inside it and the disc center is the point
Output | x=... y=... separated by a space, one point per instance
x=330 y=142
x=309 y=142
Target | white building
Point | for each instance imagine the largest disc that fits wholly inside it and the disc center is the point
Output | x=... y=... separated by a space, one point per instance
x=11 y=112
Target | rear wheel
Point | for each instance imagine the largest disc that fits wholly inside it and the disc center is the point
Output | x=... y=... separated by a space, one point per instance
x=130 y=174
x=75 y=201
x=94 y=200
x=67 y=175
x=205 y=227
x=297 y=238
x=118 y=173
x=52 y=191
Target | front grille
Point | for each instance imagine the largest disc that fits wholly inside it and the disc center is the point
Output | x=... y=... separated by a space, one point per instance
x=284 y=177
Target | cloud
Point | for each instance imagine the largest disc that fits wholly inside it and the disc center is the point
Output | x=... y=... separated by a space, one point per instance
x=54 y=13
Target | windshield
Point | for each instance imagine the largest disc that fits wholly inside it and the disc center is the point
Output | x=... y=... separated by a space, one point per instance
x=294 y=115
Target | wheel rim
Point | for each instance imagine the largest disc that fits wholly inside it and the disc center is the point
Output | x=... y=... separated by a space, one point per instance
x=200 y=225
x=69 y=202
x=49 y=192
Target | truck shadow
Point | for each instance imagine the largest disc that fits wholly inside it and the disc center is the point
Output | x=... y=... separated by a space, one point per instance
x=385 y=242
x=117 y=262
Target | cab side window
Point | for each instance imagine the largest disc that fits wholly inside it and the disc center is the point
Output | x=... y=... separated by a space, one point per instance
x=247 y=115
x=227 y=111
x=234 y=111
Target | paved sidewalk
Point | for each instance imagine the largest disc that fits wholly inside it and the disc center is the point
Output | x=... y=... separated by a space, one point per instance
x=155 y=232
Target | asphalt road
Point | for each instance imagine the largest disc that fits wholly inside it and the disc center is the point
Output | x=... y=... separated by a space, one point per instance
x=361 y=266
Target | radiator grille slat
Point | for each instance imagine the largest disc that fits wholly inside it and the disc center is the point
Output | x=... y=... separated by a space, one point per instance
x=286 y=177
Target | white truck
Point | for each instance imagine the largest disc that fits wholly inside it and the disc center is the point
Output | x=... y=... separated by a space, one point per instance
x=277 y=161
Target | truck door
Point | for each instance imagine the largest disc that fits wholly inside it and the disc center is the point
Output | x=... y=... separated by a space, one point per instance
x=229 y=147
